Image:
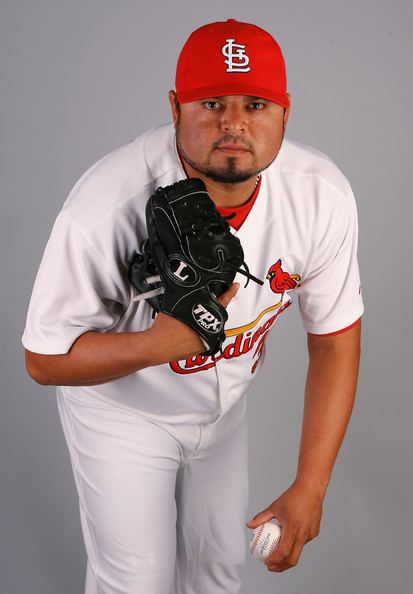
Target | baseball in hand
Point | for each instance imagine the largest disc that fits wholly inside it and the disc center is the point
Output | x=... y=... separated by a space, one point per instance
x=265 y=539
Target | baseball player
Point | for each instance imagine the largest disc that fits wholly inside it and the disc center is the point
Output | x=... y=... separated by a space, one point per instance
x=155 y=427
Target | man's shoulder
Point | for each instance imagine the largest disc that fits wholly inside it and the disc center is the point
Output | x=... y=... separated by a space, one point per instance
x=302 y=163
x=122 y=175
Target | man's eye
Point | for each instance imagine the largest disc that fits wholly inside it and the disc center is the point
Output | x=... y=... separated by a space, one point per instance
x=211 y=105
x=256 y=105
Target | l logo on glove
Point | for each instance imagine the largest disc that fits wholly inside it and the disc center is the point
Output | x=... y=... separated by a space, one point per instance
x=181 y=272
x=177 y=272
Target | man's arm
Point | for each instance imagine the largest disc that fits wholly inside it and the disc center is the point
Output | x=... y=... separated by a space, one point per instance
x=329 y=398
x=96 y=358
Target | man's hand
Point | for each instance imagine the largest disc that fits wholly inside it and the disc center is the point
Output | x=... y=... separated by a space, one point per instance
x=299 y=511
x=174 y=340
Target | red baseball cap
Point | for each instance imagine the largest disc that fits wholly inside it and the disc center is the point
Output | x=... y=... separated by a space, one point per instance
x=231 y=58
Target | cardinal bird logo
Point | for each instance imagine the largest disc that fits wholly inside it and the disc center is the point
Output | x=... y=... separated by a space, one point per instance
x=281 y=281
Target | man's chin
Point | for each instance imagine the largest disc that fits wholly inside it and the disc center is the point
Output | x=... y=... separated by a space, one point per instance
x=229 y=176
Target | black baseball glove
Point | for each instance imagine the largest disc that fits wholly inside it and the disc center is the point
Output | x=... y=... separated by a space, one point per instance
x=188 y=260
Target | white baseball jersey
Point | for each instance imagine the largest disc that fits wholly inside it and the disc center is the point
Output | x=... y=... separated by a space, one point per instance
x=300 y=237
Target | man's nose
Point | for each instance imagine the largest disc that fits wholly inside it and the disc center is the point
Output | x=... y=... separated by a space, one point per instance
x=234 y=118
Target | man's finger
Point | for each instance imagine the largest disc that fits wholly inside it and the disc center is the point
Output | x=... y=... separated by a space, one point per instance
x=229 y=294
x=296 y=552
x=284 y=547
x=287 y=562
x=264 y=516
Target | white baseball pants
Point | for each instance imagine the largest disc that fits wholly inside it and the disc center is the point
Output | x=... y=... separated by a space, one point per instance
x=163 y=507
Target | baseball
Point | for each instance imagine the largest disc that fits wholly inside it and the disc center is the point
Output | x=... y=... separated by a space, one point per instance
x=265 y=539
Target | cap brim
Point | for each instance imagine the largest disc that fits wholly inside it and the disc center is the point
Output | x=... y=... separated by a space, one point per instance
x=206 y=92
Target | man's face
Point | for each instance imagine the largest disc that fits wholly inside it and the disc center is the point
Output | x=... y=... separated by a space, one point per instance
x=229 y=139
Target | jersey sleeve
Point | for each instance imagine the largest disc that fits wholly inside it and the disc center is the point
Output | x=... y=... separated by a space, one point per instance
x=329 y=295
x=73 y=292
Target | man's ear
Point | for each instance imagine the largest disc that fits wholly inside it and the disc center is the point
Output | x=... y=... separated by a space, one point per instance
x=173 y=101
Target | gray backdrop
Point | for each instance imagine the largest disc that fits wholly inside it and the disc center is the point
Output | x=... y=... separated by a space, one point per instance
x=81 y=77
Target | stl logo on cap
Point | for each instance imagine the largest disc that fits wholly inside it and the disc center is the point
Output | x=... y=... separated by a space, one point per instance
x=237 y=58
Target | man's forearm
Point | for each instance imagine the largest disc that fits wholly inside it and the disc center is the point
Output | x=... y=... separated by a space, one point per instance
x=94 y=358
x=97 y=358
x=329 y=398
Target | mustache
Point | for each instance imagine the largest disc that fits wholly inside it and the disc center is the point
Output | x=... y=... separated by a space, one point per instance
x=230 y=139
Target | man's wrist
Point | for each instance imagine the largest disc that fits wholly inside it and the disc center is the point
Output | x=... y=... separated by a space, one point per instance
x=316 y=485
x=156 y=348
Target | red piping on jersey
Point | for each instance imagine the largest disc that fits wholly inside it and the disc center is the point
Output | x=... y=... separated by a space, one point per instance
x=338 y=331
